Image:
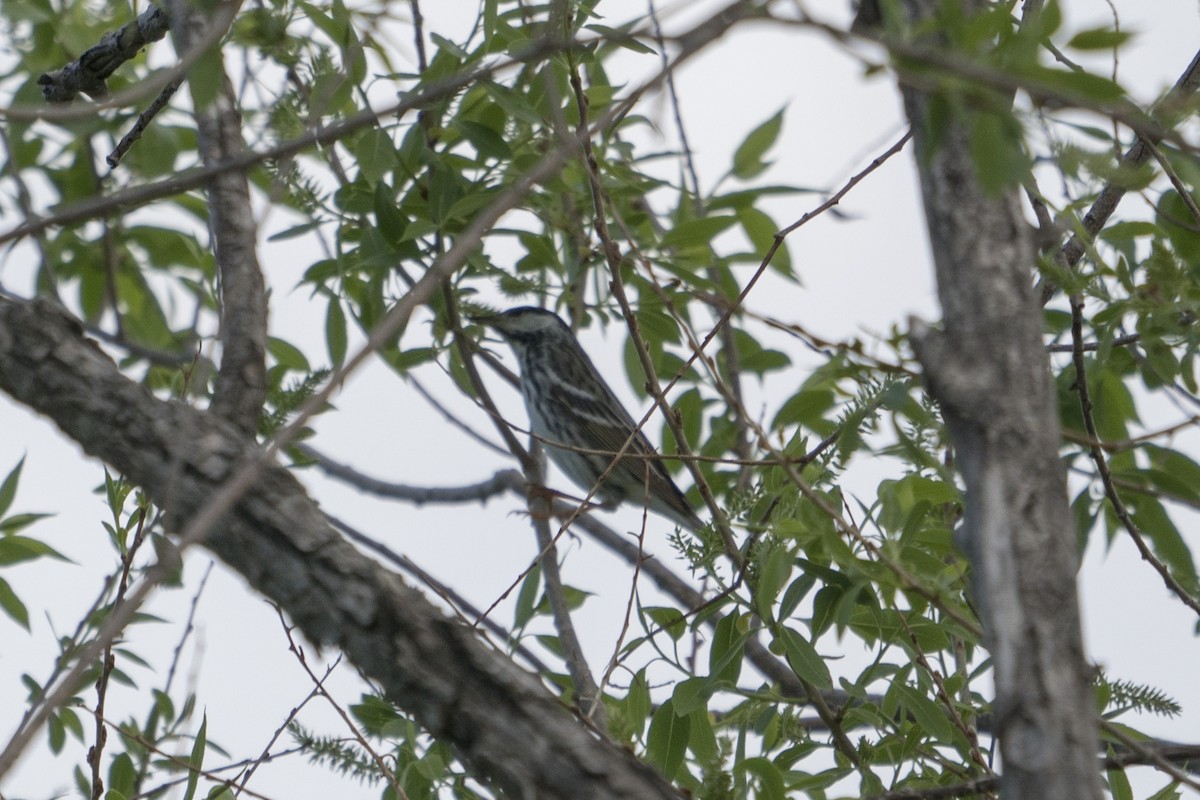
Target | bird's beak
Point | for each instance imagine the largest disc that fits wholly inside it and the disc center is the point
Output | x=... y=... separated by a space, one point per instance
x=487 y=319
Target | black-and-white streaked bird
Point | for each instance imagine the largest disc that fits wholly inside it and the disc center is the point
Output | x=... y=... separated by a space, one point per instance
x=571 y=409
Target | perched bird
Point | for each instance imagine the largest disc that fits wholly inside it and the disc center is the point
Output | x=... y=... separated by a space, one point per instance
x=571 y=409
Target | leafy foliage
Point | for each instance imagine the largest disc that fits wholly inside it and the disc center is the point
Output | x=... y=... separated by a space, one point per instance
x=778 y=419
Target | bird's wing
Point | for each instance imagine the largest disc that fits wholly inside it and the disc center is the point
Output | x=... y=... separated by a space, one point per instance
x=606 y=424
x=641 y=463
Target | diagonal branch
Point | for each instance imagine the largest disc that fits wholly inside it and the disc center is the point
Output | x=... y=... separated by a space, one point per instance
x=88 y=73
x=1112 y=194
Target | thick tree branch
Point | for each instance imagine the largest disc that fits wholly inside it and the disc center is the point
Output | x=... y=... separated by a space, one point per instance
x=502 y=721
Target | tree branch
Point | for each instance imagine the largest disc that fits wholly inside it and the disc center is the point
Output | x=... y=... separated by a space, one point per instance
x=501 y=720
x=88 y=73
x=241 y=386
x=484 y=490
x=1112 y=194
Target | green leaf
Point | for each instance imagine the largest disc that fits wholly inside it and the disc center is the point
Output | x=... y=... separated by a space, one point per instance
x=1118 y=785
x=692 y=694
x=1168 y=792
x=335 y=331
x=996 y=151
x=15 y=549
x=928 y=714
x=637 y=700
x=1099 y=39
x=445 y=190
x=336 y=31
x=122 y=776
x=375 y=154
x=753 y=357
x=196 y=759
x=1174 y=216
x=696 y=232
x=804 y=659
x=806 y=407
x=1073 y=85
x=701 y=739
x=775 y=567
x=1149 y=515
x=667 y=741
x=527 y=598
x=796 y=591
x=487 y=142
x=294 y=231
x=56 y=733
x=375 y=714
x=725 y=655
x=12 y=605
x=669 y=619
x=748 y=159
x=770 y=778
x=760 y=230
x=621 y=39
x=391 y=222
x=1130 y=229
x=8 y=489
x=206 y=77
x=287 y=355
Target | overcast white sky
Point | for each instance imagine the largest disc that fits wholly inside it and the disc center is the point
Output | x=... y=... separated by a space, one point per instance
x=862 y=275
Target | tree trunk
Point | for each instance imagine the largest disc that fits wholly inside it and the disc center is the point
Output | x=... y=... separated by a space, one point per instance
x=990 y=373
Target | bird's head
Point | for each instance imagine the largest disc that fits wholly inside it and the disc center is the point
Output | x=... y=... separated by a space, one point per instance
x=525 y=325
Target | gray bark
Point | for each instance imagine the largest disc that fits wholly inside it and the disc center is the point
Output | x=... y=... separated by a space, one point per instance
x=90 y=72
x=242 y=380
x=990 y=373
x=505 y=725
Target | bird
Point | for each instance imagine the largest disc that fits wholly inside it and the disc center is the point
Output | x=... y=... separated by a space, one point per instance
x=571 y=409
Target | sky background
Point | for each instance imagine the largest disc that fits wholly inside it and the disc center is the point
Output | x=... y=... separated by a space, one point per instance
x=863 y=272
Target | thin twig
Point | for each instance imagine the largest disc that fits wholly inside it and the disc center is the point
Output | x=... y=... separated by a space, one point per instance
x=1106 y=478
x=1151 y=757
x=245 y=474
x=466 y=611
x=143 y=122
x=108 y=661
x=252 y=765
x=588 y=695
x=183 y=764
x=452 y=418
x=318 y=689
x=1091 y=347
